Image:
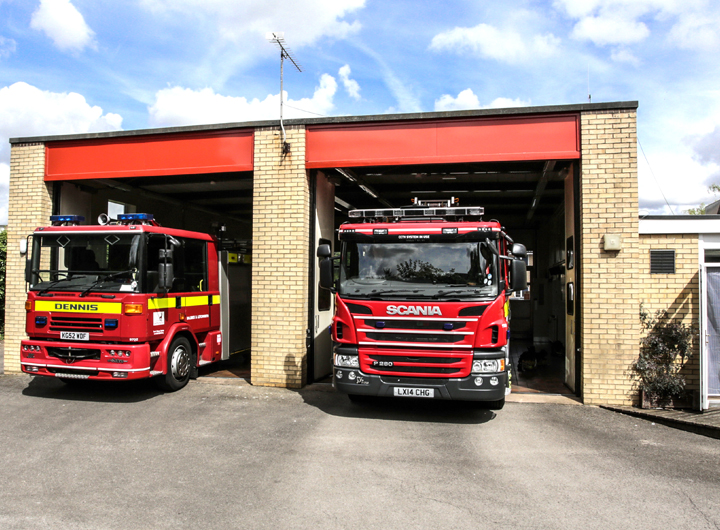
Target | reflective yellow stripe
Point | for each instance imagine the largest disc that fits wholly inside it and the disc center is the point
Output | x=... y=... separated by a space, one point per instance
x=114 y=308
x=161 y=303
x=185 y=301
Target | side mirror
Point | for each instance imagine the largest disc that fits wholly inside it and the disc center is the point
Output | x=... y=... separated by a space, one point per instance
x=28 y=271
x=23 y=247
x=519 y=250
x=518 y=275
x=166 y=276
x=324 y=251
x=326 y=273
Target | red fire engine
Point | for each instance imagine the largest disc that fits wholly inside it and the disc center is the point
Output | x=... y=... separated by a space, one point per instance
x=422 y=303
x=129 y=299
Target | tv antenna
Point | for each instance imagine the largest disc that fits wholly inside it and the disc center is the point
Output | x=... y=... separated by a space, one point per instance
x=278 y=37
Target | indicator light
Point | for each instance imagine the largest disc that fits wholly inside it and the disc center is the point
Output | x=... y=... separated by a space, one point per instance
x=40 y=321
x=133 y=309
x=135 y=217
x=67 y=218
x=111 y=323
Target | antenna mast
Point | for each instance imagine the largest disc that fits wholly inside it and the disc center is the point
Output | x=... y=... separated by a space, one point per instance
x=277 y=37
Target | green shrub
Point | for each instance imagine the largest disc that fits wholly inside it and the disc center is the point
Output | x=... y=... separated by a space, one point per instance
x=664 y=349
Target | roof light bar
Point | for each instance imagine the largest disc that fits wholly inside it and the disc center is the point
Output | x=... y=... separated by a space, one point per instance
x=135 y=217
x=66 y=219
x=470 y=211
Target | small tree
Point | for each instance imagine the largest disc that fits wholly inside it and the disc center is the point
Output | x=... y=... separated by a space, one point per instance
x=664 y=349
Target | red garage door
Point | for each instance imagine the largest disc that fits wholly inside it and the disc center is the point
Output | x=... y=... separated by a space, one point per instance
x=549 y=137
x=151 y=155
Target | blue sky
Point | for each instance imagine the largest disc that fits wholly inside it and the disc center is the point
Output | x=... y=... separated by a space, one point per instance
x=74 y=66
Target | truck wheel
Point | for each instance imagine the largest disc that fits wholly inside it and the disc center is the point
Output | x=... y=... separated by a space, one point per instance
x=179 y=360
x=357 y=399
x=493 y=405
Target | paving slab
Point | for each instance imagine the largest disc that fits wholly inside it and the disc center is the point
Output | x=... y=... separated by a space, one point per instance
x=706 y=423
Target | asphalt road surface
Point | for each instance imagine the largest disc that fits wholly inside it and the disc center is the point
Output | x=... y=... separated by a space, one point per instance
x=230 y=457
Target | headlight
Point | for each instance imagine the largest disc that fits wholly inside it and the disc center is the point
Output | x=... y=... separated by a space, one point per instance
x=347 y=361
x=488 y=366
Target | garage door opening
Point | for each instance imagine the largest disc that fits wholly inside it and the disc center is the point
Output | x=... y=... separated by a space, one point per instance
x=219 y=204
x=535 y=202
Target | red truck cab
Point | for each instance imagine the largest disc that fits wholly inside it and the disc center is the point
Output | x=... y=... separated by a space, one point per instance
x=422 y=303
x=120 y=301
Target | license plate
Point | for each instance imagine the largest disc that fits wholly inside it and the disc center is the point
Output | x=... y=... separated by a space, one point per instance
x=74 y=335
x=413 y=392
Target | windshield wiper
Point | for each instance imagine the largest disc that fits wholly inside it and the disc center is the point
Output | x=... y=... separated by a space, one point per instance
x=103 y=280
x=53 y=284
x=457 y=291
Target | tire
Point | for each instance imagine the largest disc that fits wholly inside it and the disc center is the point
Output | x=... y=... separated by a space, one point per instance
x=493 y=405
x=179 y=366
x=357 y=399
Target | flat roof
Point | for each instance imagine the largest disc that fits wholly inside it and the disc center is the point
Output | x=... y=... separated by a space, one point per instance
x=341 y=120
x=679 y=224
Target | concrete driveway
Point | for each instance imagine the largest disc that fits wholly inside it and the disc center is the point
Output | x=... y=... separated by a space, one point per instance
x=227 y=456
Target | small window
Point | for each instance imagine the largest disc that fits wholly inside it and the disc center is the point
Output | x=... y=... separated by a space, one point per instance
x=662 y=262
x=712 y=256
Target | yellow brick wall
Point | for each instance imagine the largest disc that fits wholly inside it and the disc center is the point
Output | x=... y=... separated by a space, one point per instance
x=281 y=213
x=609 y=304
x=679 y=293
x=30 y=207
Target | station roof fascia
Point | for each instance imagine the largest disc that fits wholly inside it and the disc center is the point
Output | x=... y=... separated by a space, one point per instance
x=340 y=120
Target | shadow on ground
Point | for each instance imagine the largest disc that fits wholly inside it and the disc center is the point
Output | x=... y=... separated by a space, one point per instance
x=97 y=391
x=333 y=403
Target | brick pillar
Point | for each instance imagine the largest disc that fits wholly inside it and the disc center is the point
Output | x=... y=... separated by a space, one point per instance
x=30 y=207
x=610 y=302
x=281 y=213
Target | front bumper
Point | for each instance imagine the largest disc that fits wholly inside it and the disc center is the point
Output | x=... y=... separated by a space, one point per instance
x=106 y=367
x=353 y=381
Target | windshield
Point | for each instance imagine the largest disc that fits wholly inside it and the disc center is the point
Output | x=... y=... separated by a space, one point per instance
x=100 y=262
x=419 y=270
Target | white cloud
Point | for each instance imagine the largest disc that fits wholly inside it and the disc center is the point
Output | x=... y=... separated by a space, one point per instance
x=7 y=47
x=504 y=103
x=490 y=42
x=351 y=86
x=64 y=24
x=678 y=176
x=28 y=111
x=695 y=24
x=465 y=100
x=303 y=21
x=610 y=30
x=184 y=106
x=4 y=191
x=622 y=55
x=696 y=31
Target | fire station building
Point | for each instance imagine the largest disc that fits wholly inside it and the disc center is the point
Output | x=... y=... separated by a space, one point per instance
x=562 y=180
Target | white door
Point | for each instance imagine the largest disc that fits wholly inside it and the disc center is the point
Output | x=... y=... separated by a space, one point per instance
x=324 y=300
x=710 y=334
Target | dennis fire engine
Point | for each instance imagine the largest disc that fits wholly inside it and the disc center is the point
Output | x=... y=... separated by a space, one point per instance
x=422 y=303
x=129 y=299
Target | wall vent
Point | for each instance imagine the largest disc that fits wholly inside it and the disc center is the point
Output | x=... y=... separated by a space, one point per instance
x=662 y=262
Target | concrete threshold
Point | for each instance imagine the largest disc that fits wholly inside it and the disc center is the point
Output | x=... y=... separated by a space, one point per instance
x=704 y=423
x=538 y=397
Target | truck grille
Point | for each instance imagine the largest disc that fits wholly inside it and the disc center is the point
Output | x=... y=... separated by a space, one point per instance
x=71 y=355
x=94 y=325
x=414 y=324
x=457 y=365
x=411 y=337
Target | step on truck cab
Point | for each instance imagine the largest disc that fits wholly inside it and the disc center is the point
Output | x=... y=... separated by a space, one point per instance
x=422 y=303
x=127 y=299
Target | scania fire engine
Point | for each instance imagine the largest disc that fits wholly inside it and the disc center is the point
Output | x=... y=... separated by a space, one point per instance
x=422 y=303
x=130 y=299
